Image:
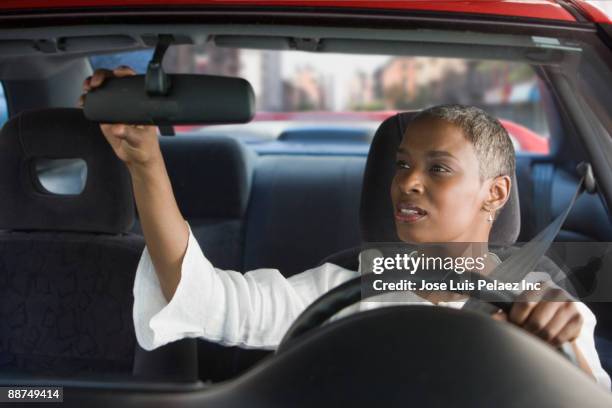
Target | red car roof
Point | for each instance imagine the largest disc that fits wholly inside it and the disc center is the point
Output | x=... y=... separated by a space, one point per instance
x=541 y=9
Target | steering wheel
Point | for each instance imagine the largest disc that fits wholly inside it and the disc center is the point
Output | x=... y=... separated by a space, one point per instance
x=351 y=292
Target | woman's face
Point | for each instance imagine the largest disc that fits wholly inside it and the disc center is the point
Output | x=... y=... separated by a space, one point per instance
x=437 y=192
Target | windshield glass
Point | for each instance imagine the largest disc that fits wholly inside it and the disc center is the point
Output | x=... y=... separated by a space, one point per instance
x=295 y=89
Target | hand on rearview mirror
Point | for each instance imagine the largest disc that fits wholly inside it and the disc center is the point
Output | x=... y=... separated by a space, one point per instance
x=134 y=144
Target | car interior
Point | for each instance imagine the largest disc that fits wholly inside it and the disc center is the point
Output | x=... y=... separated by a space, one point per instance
x=291 y=201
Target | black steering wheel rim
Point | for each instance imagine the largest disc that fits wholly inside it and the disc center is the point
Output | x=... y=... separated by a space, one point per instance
x=350 y=292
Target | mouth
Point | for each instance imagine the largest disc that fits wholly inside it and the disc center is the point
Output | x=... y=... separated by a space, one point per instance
x=409 y=213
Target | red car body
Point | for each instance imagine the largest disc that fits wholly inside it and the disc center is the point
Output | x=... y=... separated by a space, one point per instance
x=540 y=9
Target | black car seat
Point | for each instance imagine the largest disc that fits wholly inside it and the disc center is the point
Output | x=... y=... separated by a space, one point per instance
x=67 y=263
x=302 y=208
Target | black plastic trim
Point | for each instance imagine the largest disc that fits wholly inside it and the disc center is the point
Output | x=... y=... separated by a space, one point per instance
x=576 y=13
x=605 y=33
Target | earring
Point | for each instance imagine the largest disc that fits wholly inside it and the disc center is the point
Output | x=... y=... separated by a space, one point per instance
x=490 y=218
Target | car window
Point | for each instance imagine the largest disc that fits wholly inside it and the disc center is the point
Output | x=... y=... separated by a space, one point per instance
x=3 y=106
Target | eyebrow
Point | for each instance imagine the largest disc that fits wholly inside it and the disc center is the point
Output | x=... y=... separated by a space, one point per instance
x=431 y=153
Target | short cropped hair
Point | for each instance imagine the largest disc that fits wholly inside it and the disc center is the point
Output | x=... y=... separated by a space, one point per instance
x=490 y=139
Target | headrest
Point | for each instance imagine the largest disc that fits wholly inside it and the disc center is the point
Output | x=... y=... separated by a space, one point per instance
x=105 y=205
x=376 y=213
x=210 y=175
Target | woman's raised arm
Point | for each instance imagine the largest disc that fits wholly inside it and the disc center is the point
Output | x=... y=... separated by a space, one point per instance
x=164 y=228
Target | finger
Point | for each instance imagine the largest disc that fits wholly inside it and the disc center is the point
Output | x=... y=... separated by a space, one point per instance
x=136 y=134
x=500 y=316
x=98 y=77
x=562 y=316
x=81 y=101
x=524 y=304
x=520 y=311
x=123 y=70
x=132 y=134
x=570 y=331
x=105 y=128
x=120 y=130
x=115 y=132
x=540 y=316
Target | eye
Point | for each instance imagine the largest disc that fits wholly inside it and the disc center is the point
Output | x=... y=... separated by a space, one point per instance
x=402 y=164
x=436 y=168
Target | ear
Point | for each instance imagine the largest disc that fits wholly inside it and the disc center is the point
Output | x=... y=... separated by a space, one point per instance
x=498 y=194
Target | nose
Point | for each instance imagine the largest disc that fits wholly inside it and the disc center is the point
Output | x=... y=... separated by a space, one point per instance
x=409 y=181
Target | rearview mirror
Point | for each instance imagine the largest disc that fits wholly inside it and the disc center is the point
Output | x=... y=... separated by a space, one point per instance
x=191 y=99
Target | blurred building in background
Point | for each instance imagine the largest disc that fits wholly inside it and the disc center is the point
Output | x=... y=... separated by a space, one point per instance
x=363 y=92
x=204 y=58
x=406 y=82
x=263 y=70
x=306 y=90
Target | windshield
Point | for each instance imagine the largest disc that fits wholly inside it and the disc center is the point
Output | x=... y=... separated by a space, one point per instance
x=296 y=89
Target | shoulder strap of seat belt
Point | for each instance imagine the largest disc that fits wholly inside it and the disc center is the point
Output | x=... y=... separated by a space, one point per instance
x=542 y=191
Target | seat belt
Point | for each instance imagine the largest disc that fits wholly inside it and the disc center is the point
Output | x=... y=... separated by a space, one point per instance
x=542 y=191
x=523 y=261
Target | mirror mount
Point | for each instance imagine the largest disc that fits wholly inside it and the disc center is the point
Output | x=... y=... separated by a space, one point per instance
x=157 y=82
